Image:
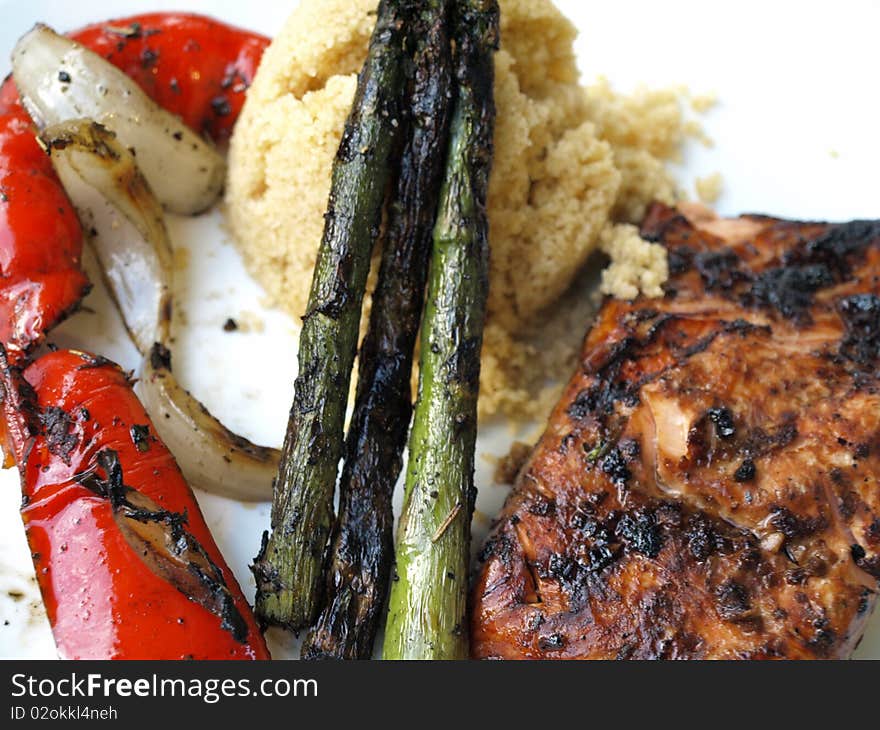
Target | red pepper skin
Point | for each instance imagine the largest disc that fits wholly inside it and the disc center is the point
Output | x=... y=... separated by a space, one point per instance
x=103 y=600
x=193 y=66
x=41 y=279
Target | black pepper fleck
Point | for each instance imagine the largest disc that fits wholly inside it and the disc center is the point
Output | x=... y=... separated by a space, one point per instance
x=723 y=420
x=221 y=106
x=746 y=471
x=552 y=642
x=140 y=437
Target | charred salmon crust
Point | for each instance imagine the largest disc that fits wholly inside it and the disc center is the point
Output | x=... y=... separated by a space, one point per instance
x=707 y=487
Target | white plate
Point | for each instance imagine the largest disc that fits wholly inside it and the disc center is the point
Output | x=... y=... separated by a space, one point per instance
x=795 y=136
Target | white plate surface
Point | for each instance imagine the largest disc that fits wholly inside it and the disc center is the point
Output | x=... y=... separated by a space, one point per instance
x=794 y=132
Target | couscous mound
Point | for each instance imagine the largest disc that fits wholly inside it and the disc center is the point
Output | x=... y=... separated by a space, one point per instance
x=570 y=164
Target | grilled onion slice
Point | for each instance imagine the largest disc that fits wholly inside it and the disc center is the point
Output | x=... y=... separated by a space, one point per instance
x=122 y=221
x=126 y=228
x=60 y=80
x=211 y=456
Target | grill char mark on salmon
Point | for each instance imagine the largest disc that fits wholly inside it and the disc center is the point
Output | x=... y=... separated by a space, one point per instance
x=707 y=487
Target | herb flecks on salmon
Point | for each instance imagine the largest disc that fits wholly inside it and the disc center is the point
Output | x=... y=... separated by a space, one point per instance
x=708 y=484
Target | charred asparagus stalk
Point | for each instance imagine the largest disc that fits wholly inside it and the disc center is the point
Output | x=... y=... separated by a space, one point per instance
x=426 y=615
x=288 y=568
x=356 y=583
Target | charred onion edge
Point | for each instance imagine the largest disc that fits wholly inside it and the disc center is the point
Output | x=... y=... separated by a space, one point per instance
x=126 y=229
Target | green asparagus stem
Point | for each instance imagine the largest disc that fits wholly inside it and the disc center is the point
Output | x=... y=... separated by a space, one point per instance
x=426 y=615
x=288 y=568
x=362 y=551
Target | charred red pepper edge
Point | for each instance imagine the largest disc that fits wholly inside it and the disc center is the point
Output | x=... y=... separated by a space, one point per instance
x=40 y=235
x=125 y=562
x=191 y=65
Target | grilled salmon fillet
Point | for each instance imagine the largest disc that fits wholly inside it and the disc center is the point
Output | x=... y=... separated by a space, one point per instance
x=708 y=485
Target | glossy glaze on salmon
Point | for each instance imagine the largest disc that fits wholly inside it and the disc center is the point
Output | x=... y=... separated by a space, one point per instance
x=708 y=485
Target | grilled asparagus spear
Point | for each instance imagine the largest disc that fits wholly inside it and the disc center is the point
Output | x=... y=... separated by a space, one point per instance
x=426 y=616
x=356 y=583
x=288 y=568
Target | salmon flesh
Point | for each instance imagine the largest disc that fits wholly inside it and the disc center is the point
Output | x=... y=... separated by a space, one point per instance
x=708 y=485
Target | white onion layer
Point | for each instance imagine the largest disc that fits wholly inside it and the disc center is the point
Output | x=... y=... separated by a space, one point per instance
x=59 y=80
x=126 y=228
x=122 y=221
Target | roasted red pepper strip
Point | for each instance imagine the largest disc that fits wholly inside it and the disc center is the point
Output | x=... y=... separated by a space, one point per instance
x=125 y=561
x=190 y=65
x=41 y=278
